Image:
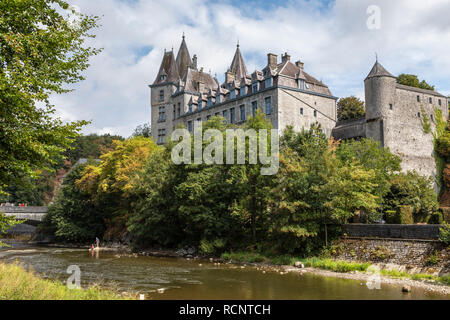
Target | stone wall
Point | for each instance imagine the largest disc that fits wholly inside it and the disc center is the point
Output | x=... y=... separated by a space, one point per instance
x=399 y=231
x=413 y=256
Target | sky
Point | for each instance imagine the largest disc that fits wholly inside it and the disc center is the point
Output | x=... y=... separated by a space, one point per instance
x=337 y=40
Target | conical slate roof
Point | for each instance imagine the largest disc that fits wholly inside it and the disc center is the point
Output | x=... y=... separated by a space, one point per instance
x=379 y=71
x=168 y=69
x=238 y=65
x=183 y=59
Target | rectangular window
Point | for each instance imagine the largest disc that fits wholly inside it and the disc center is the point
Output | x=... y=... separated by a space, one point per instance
x=268 y=82
x=218 y=98
x=268 y=105
x=161 y=96
x=199 y=119
x=418 y=114
x=161 y=136
x=225 y=114
x=174 y=112
x=233 y=94
x=191 y=108
x=254 y=108
x=190 y=126
x=255 y=87
x=390 y=106
x=301 y=111
x=439 y=102
x=301 y=84
x=200 y=104
x=243 y=91
x=242 y=111
x=431 y=100
x=232 y=115
x=315 y=113
x=418 y=98
x=210 y=102
x=208 y=117
x=431 y=117
x=179 y=110
x=162 y=114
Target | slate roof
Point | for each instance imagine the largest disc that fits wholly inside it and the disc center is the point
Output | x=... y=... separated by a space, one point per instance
x=183 y=58
x=192 y=78
x=379 y=71
x=238 y=65
x=168 y=68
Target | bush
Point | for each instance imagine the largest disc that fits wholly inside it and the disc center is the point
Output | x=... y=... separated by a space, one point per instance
x=403 y=215
x=444 y=233
x=436 y=218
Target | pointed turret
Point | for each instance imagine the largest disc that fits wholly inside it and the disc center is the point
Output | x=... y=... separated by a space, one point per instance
x=168 y=71
x=379 y=71
x=183 y=58
x=238 y=65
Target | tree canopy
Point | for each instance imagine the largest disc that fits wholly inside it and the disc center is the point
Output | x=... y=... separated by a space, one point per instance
x=413 y=81
x=350 y=108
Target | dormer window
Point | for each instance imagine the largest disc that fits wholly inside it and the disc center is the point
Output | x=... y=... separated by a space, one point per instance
x=301 y=84
x=200 y=104
x=209 y=101
x=255 y=87
x=163 y=77
x=191 y=107
x=218 y=98
x=243 y=91
x=268 y=82
x=233 y=94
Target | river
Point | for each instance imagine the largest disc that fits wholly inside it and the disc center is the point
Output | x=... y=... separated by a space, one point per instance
x=170 y=278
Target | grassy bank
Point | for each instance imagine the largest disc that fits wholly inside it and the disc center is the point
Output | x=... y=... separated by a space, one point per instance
x=327 y=264
x=18 y=284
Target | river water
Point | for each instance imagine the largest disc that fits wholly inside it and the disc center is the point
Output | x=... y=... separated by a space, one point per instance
x=170 y=278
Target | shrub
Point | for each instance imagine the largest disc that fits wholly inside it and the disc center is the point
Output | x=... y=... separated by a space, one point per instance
x=444 y=233
x=436 y=218
x=405 y=215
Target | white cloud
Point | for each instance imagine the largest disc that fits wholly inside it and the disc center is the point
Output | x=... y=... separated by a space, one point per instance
x=334 y=43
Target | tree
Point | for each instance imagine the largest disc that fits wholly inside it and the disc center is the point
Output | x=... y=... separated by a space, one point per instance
x=40 y=52
x=143 y=130
x=413 y=81
x=413 y=190
x=350 y=108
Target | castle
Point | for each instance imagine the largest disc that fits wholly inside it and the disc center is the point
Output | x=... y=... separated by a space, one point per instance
x=289 y=96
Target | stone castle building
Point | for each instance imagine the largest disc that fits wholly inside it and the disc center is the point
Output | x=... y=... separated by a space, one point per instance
x=395 y=116
x=183 y=93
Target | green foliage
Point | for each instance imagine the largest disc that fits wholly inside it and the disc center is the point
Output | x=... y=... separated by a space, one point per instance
x=74 y=217
x=436 y=218
x=40 y=52
x=444 y=233
x=350 y=108
x=143 y=130
x=426 y=125
x=413 y=81
x=18 y=284
x=335 y=265
x=403 y=215
x=5 y=224
x=413 y=190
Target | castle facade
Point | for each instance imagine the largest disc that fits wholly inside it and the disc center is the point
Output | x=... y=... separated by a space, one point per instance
x=184 y=94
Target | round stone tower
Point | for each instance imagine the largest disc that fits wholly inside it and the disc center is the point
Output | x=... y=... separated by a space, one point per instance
x=380 y=94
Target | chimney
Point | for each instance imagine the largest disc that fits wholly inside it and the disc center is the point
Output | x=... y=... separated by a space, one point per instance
x=300 y=65
x=272 y=60
x=194 y=62
x=229 y=76
x=285 y=57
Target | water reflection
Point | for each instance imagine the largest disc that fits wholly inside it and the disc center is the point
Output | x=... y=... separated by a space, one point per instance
x=169 y=278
